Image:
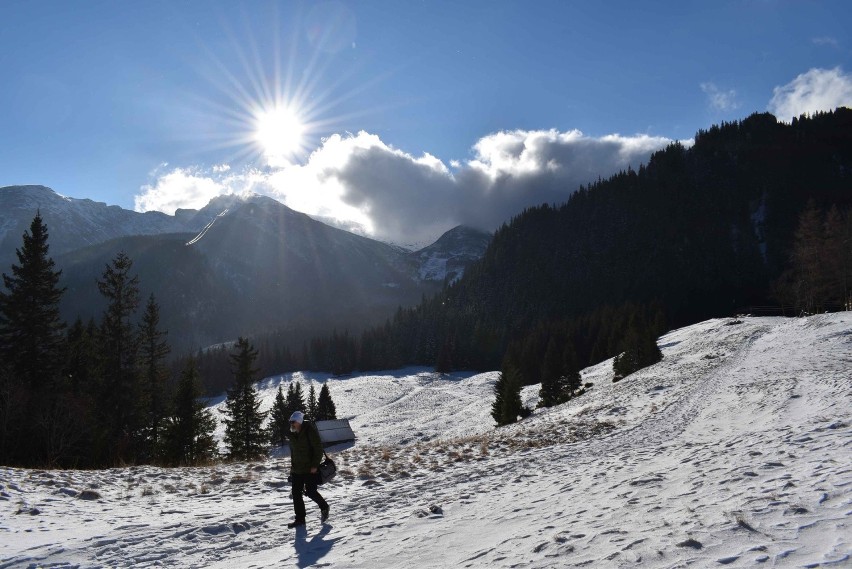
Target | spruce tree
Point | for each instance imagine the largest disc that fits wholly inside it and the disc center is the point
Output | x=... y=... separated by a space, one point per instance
x=639 y=348
x=552 y=375
x=444 y=363
x=507 y=404
x=295 y=400
x=572 y=379
x=837 y=253
x=81 y=373
x=187 y=434
x=81 y=356
x=512 y=405
x=152 y=354
x=279 y=419
x=120 y=396
x=31 y=352
x=312 y=403
x=326 y=409
x=497 y=405
x=809 y=283
x=31 y=331
x=244 y=433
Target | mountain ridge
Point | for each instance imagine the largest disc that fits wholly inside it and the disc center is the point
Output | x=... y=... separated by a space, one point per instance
x=241 y=265
x=80 y=222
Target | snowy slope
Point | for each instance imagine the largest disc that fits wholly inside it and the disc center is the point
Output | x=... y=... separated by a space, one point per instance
x=447 y=258
x=735 y=450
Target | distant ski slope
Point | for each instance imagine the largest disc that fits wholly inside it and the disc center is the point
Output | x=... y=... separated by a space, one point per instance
x=207 y=227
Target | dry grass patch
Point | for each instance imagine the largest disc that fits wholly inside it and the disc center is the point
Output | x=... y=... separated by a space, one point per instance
x=241 y=479
x=437 y=455
x=366 y=471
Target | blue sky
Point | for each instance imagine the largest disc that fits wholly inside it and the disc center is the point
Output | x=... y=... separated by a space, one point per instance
x=394 y=118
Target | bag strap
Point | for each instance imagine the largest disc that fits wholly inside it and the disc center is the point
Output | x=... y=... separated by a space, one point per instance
x=310 y=444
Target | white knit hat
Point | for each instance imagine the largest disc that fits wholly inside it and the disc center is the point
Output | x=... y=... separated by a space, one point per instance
x=297 y=416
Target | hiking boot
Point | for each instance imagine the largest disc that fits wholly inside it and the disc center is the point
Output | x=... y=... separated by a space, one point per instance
x=324 y=515
x=298 y=522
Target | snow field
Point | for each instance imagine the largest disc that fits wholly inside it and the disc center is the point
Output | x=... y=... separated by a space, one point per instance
x=733 y=451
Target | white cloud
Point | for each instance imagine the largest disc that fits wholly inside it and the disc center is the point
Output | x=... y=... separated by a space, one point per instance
x=359 y=182
x=180 y=188
x=720 y=100
x=815 y=90
x=826 y=40
x=513 y=170
x=193 y=188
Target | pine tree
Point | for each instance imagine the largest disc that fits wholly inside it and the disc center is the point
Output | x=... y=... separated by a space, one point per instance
x=444 y=364
x=81 y=356
x=31 y=352
x=152 y=354
x=572 y=380
x=639 y=348
x=837 y=255
x=244 y=433
x=326 y=409
x=81 y=372
x=809 y=282
x=295 y=400
x=31 y=331
x=552 y=376
x=498 y=404
x=279 y=419
x=187 y=434
x=507 y=406
x=121 y=398
x=312 y=403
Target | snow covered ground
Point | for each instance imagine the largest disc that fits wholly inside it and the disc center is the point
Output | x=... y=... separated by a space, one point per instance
x=735 y=450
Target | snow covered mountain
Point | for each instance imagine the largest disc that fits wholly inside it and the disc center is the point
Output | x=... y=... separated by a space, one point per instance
x=77 y=223
x=448 y=257
x=73 y=223
x=733 y=451
x=240 y=265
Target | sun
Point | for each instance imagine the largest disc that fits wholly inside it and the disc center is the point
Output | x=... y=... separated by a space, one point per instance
x=280 y=133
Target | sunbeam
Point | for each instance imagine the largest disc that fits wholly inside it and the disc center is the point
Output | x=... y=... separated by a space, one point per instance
x=276 y=105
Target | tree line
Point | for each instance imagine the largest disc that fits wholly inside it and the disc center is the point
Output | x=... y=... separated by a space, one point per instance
x=102 y=393
x=819 y=274
x=553 y=353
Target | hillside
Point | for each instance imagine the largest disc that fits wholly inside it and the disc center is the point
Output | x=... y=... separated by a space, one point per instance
x=701 y=232
x=257 y=268
x=734 y=450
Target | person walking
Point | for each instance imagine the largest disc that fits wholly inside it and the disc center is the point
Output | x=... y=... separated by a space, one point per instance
x=305 y=458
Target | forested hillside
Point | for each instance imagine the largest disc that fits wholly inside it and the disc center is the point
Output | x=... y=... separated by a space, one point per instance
x=697 y=232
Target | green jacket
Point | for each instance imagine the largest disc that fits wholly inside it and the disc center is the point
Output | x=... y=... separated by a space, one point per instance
x=305 y=455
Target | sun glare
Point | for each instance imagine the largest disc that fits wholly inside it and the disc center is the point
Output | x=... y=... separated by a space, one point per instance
x=279 y=133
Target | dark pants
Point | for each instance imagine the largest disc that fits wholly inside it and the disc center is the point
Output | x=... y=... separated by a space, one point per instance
x=308 y=483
